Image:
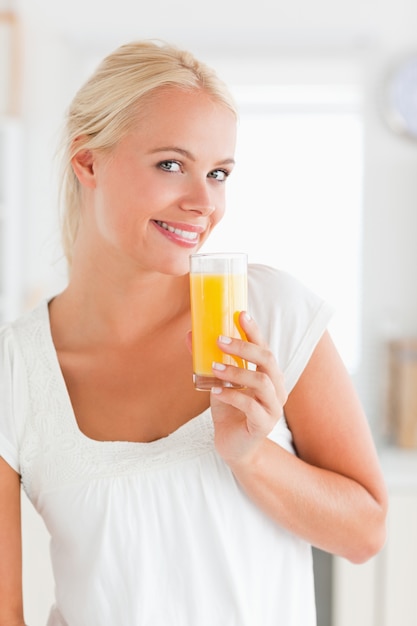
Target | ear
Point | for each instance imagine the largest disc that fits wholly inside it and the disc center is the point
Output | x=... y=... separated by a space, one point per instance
x=83 y=166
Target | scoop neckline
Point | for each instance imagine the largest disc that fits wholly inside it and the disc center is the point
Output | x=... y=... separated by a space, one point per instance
x=183 y=430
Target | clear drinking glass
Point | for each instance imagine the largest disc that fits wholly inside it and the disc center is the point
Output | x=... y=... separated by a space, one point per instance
x=218 y=285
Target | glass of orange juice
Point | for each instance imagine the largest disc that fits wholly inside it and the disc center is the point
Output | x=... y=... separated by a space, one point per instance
x=219 y=291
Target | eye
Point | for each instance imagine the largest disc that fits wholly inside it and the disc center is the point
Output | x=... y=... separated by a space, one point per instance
x=219 y=175
x=170 y=166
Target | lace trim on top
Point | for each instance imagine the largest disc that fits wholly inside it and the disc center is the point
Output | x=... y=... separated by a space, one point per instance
x=55 y=453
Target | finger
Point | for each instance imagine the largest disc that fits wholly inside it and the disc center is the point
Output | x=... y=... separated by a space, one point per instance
x=257 y=382
x=251 y=329
x=258 y=354
x=257 y=420
x=234 y=397
x=188 y=340
x=268 y=375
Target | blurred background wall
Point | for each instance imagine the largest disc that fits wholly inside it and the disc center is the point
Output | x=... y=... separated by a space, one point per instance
x=277 y=41
x=355 y=42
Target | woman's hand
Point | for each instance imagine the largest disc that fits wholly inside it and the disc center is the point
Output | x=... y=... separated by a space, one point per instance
x=243 y=418
x=327 y=478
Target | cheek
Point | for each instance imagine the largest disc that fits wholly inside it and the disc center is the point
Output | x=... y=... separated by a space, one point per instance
x=219 y=212
x=113 y=217
x=218 y=216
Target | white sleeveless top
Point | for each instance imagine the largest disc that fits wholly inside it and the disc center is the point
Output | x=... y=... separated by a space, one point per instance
x=160 y=533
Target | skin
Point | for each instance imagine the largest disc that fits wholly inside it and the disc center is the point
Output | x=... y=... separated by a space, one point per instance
x=171 y=169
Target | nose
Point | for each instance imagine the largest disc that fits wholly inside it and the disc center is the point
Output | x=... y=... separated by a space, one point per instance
x=199 y=197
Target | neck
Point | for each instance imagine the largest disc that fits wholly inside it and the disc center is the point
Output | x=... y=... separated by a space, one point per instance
x=98 y=307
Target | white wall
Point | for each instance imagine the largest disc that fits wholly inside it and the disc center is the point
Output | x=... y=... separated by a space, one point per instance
x=63 y=40
x=244 y=41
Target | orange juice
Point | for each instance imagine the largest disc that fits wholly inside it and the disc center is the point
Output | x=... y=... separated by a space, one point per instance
x=216 y=301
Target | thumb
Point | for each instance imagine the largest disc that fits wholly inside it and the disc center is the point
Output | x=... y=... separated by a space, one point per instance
x=188 y=340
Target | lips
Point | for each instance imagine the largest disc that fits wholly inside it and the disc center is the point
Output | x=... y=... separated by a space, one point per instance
x=189 y=235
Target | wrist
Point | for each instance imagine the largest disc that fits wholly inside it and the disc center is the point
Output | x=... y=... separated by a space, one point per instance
x=250 y=462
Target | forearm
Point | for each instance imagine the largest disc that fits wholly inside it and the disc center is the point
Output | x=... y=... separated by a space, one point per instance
x=329 y=510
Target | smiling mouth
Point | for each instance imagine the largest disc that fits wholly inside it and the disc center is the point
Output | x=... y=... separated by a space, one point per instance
x=184 y=234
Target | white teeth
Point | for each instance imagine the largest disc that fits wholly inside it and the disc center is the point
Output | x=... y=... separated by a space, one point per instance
x=185 y=234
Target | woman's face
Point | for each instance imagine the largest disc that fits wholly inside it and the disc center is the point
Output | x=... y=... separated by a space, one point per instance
x=158 y=195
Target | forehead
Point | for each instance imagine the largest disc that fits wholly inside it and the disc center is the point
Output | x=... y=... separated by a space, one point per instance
x=178 y=96
x=173 y=110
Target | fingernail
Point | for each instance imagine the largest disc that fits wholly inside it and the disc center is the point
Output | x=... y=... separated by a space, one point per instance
x=218 y=366
x=224 y=339
x=247 y=316
x=216 y=390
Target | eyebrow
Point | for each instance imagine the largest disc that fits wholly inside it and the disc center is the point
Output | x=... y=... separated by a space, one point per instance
x=186 y=153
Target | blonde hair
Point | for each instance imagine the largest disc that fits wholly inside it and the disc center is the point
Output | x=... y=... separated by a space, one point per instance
x=104 y=107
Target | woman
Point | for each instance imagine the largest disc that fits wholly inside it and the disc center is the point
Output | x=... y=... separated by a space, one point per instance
x=166 y=505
